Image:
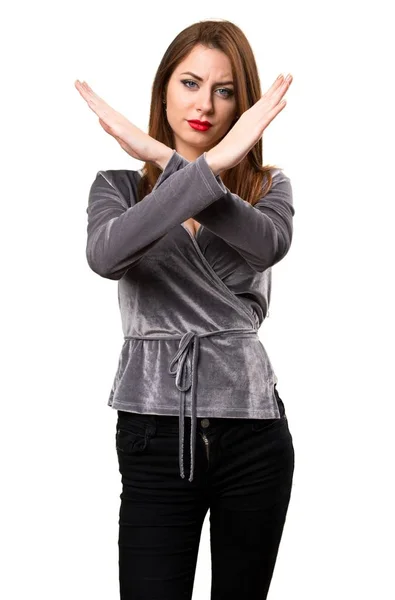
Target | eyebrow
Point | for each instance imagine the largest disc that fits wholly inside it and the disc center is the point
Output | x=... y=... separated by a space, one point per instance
x=200 y=79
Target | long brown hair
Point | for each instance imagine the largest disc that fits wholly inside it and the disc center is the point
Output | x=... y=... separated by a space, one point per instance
x=248 y=177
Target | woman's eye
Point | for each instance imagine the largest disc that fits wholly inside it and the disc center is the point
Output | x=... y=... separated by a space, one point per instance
x=228 y=92
x=187 y=81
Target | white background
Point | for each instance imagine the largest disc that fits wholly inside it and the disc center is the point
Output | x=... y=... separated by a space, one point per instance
x=331 y=327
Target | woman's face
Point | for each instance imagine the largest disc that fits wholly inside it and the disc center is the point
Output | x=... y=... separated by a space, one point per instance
x=211 y=99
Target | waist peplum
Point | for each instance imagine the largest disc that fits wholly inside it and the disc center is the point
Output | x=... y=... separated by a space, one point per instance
x=184 y=367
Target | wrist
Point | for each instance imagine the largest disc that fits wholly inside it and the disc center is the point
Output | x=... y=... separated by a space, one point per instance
x=213 y=162
x=165 y=154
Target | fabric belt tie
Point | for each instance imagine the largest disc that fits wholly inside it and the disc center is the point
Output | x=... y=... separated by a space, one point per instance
x=185 y=372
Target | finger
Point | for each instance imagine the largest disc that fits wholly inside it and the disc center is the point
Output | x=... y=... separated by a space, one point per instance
x=84 y=88
x=276 y=85
x=281 y=91
x=286 y=83
x=95 y=103
x=90 y=96
x=278 y=81
x=281 y=84
x=87 y=94
x=81 y=88
x=275 y=111
x=109 y=118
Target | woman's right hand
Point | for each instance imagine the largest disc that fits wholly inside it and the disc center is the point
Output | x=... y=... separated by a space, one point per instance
x=133 y=140
x=249 y=128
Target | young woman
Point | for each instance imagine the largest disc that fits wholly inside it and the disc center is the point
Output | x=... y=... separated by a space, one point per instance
x=191 y=239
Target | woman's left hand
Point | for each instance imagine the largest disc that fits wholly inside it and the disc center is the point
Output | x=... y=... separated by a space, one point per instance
x=133 y=140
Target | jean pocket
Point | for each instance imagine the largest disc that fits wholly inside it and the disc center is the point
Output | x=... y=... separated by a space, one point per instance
x=132 y=436
x=129 y=442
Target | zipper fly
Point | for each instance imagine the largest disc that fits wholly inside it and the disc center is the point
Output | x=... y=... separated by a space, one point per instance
x=207 y=445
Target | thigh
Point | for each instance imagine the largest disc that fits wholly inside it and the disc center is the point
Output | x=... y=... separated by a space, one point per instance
x=160 y=517
x=248 y=509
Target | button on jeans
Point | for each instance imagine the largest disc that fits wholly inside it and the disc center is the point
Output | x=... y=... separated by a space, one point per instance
x=243 y=475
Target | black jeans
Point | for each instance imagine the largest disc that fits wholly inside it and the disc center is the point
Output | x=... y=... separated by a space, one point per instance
x=243 y=475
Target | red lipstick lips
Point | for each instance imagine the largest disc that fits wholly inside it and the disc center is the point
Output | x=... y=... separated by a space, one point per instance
x=200 y=125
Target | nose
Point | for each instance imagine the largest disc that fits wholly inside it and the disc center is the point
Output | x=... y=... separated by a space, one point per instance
x=204 y=102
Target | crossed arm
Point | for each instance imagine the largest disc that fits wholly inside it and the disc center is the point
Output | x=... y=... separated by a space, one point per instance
x=120 y=231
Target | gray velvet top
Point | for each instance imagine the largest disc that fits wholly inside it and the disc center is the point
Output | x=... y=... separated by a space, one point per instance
x=190 y=306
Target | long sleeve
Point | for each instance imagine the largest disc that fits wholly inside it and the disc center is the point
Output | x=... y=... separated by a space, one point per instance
x=120 y=234
x=261 y=234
